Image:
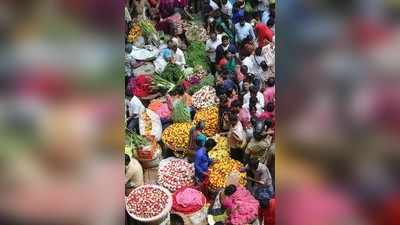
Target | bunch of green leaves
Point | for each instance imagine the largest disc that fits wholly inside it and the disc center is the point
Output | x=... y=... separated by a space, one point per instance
x=134 y=140
x=180 y=113
x=169 y=78
x=196 y=55
x=206 y=81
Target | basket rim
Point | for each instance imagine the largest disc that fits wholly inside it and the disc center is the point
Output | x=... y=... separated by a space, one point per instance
x=163 y=213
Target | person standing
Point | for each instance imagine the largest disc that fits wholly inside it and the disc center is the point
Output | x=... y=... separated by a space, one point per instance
x=244 y=32
x=202 y=160
x=226 y=45
x=237 y=138
x=211 y=48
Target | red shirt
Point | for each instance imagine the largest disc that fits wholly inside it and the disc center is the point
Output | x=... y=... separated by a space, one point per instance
x=263 y=33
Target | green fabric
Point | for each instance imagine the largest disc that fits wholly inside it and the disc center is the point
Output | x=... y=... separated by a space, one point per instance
x=231 y=66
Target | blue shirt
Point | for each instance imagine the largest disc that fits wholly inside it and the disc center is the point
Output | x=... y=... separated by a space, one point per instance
x=201 y=163
x=265 y=17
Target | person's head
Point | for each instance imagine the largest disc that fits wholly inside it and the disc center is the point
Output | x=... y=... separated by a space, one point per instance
x=210 y=144
x=225 y=40
x=213 y=36
x=270 y=107
x=271 y=82
x=236 y=105
x=253 y=164
x=233 y=118
x=225 y=74
x=174 y=46
x=224 y=1
x=258 y=51
x=200 y=126
x=242 y=21
x=220 y=79
x=229 y=93
x=253 y=90
x=253 y=110
x=127 y=159
x=128 y=49
x=268 y=124
x=240 y=3
x=230 y=190
x=176 y=219
x=179 y=90
x=199 y=142
x=170 y=43
x=270 y=22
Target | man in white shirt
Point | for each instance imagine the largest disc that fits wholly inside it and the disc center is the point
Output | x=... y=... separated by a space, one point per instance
x=227 y=8
x=211 y=47
x=178 y=55
x=253 y=91
x=244 y=30
x=254 y=64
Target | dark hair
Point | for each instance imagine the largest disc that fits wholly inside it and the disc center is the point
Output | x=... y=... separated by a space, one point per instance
x=270 y=107
x=242 y=19
x=176 y=219
x=128 y=49
x=271 y=82
x=268 y=123
x=180 y=90
x=199 y=142
x=270 y=22
x=225 y=38
x=236 y=103
x=230 y=190
x=252 y=108
x=233 y=118
x=127 y=159
x=253 y=101
x=258 y=51
x=200 y=125
x=225 y=54
x=210 y=144
x=253 y=164
x=253 y=89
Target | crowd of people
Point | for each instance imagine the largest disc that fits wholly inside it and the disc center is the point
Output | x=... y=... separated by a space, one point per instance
x=240 y=49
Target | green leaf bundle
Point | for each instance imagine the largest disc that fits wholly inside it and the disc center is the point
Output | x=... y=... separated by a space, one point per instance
x=180 y=113
x=196 y=55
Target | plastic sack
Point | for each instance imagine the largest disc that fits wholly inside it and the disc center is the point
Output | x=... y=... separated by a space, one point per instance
x=233 y=178
x=150 y=124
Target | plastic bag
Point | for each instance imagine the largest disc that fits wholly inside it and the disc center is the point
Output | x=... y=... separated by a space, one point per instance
x=150 y=124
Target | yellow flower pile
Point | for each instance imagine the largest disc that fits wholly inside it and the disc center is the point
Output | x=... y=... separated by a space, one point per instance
x=134 y=33
x=210 y=117
x=221 y=150
x=177 y=135
x=220 y=171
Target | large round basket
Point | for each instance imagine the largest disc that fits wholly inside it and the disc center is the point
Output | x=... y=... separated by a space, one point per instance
x=156 y=219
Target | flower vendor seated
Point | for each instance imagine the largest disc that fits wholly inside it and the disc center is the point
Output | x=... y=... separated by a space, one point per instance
x=202 y=160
